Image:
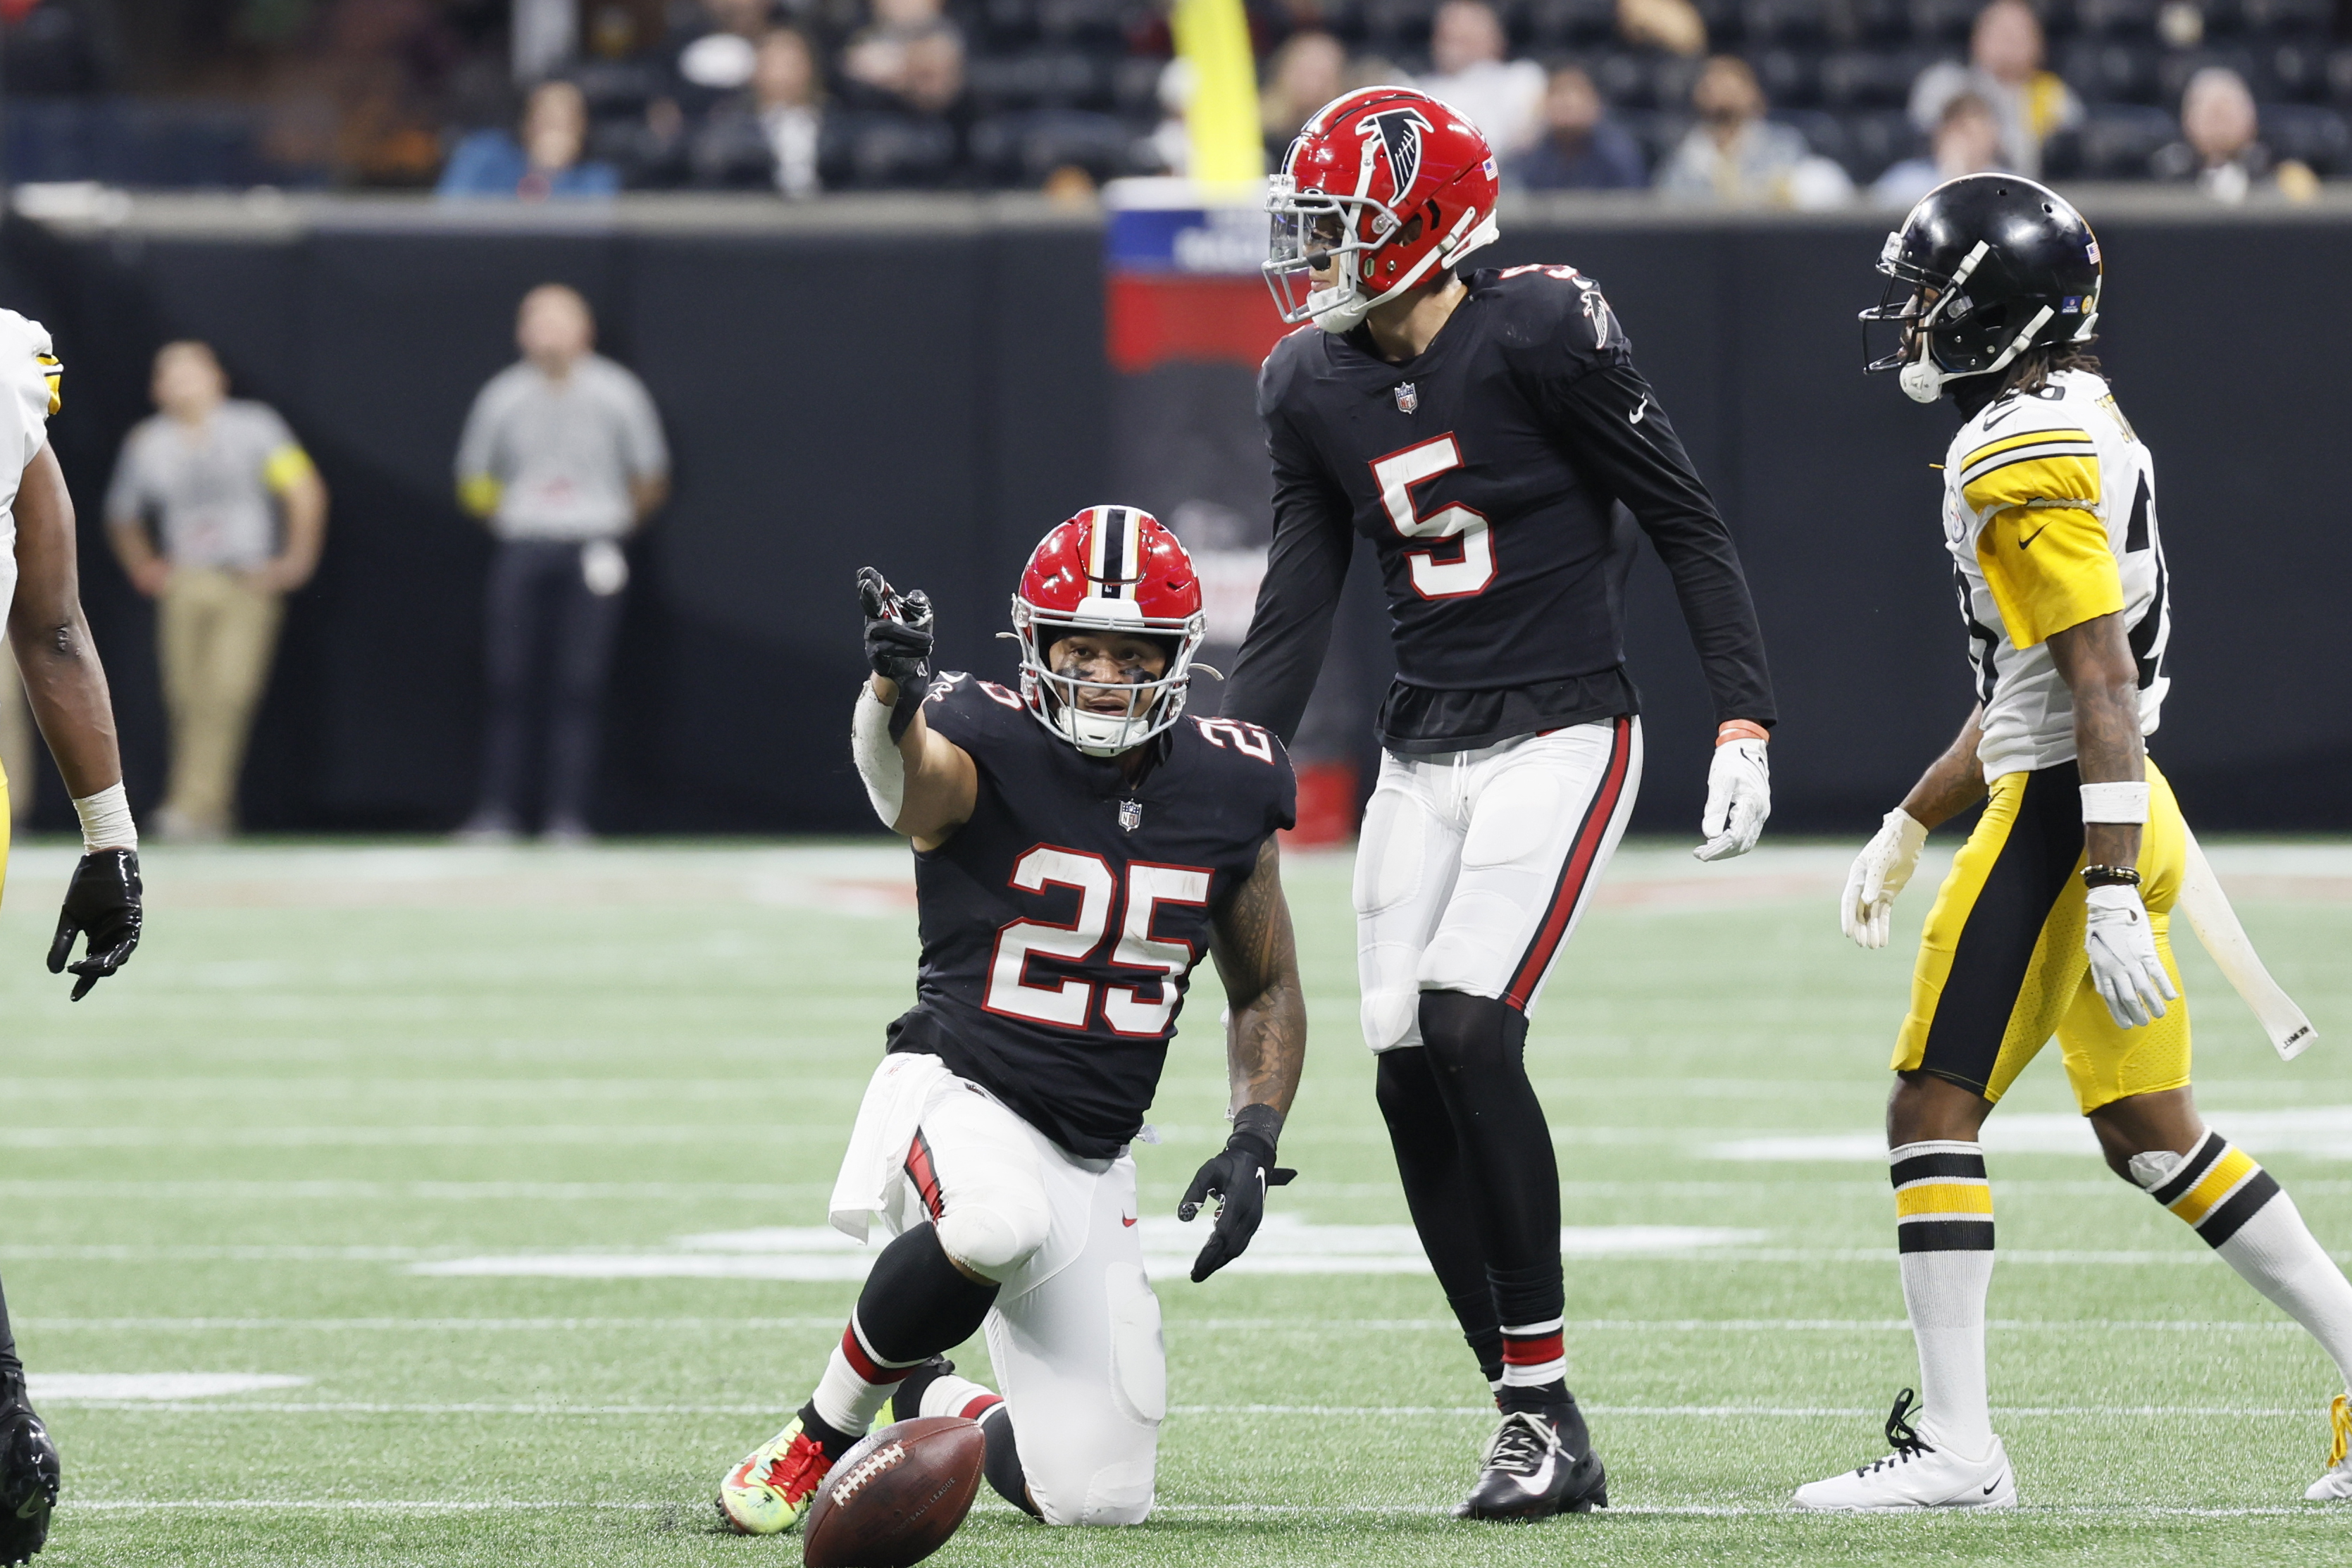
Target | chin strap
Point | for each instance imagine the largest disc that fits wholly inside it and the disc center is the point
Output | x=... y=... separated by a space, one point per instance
x=1923 y=382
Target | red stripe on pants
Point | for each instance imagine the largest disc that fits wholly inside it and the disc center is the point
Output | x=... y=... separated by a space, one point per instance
x=1578 y=870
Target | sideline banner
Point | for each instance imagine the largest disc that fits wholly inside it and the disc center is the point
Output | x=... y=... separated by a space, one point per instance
x=1188 y=323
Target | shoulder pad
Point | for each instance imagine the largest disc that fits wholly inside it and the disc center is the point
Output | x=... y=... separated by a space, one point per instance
x=1553 y=306
x=1295 y=353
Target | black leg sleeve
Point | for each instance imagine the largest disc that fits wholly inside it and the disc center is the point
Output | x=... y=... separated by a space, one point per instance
x=915 y=1304
x=1429 y=1164
x=1003 y=1461
x=11 y=1369
x=1477 y=1048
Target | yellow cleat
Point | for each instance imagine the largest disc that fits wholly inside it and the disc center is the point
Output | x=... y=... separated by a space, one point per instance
x=2335 y=1484
x=769 y=1491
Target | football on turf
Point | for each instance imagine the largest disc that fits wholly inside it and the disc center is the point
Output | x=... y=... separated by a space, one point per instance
x=898 y=1496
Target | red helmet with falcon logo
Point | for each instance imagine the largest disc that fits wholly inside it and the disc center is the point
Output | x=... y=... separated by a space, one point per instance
x=1389 y=183
x=1108 y=569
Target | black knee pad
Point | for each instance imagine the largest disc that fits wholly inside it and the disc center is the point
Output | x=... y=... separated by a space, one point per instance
x=1474 y=1033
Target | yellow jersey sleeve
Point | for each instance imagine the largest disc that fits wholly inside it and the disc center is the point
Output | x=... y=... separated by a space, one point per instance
x=285 y=468
x=54 y=374
x=2049 y=567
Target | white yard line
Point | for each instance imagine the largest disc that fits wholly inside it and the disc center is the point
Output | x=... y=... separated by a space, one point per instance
x=235 y=1406
x=1314 y=1325
x=1974 y=1519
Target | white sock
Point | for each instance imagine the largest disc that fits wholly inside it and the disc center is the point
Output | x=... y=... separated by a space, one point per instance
x=857 y=1383
x=2239 y=1211
x=949 y=1394
x=1943 y=1210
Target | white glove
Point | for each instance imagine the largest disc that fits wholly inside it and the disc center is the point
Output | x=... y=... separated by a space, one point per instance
x=1881 y=870
x=1738 y=799
x=2129 y=976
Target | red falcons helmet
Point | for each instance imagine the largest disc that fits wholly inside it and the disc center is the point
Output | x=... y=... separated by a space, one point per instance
x=1108 y=569
x=1389 y=182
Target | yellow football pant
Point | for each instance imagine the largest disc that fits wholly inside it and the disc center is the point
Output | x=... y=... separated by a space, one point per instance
x=2001 y=965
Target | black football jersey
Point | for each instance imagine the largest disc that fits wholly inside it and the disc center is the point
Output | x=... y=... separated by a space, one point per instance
x=1061 y=923
x=1487 y=474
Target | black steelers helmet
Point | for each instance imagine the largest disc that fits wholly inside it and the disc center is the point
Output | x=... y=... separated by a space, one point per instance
x=2010 y=265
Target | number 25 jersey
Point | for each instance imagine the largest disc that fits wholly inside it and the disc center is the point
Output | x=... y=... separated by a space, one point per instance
x=2049 y=515
x=1061 y=924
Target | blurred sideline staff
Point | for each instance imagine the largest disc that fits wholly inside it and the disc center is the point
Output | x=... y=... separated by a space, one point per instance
x=563 y=457
x=213 y=475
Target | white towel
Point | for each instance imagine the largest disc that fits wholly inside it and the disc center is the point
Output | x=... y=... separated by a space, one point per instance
x=895 y=1097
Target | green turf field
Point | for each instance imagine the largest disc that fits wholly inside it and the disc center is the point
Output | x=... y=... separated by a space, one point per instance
x=435 y=1164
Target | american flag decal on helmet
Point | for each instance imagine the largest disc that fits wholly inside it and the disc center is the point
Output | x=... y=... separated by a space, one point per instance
x=1115 y=553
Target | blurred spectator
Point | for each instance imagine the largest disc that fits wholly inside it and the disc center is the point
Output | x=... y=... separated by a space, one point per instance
x=2004 y=70
x=712 y=56
x=1674 y=25
x=1581 y=149
x=885 y=55
x=1308 y=71
x=214 y=477
x=2220 y=146
x=544 y=162
x=1504 y=99
x=1736 y=156
x=562 y=457
x=768 y=135
x=932 y=80
x=1968 y=141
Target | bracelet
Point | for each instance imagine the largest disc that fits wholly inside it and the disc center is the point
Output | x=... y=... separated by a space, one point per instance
x=2117 y=802
x=1740 y=730
x=2111 y=876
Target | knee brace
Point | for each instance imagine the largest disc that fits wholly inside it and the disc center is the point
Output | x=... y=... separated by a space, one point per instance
x=1476 y=1033
x=992 y=1230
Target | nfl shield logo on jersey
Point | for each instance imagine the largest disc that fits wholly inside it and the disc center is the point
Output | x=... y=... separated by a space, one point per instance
x=1130 y=816
x=1408 y=397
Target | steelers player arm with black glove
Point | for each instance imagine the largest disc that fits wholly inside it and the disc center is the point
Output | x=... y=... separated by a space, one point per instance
x=922 y=785
x=1265 y=1046
x=66 y=685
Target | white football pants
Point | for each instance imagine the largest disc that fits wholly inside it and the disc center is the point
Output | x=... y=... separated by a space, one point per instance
x=1075 y=1333
x=1474 y=867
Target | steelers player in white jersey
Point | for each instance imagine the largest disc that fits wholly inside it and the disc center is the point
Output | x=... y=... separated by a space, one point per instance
x=65 y=688
x=2055 y=917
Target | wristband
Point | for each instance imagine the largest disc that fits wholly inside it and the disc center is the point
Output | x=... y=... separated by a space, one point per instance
x=106 y=820
x=1259 y=1121
x=2120 y=802
x=2111 y=876
x=1740 y=730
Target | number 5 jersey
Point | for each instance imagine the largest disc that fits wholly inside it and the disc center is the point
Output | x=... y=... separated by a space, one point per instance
x=1061 y=924
x=1487 y=474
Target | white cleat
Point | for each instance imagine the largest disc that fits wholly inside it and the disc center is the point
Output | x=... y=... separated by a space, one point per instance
x=1915 y=1475
x=2335 y=1484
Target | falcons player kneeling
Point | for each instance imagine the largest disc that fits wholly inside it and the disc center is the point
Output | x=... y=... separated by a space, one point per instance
x=1078 y=843
x=1482 y=430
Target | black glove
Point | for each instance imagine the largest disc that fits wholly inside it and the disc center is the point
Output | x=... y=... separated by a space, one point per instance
x=897 y=641
x=1237 y=1177
x=103 y=900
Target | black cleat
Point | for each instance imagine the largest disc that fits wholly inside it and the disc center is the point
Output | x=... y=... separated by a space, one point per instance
x=29 y=1476
x=1531 y=1472
x=908 y=1403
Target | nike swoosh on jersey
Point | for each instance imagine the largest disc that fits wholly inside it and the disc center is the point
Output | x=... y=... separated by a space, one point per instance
x=1127 y=1219
x=2025 y=539
x=1640 y=409
x=2004 y=414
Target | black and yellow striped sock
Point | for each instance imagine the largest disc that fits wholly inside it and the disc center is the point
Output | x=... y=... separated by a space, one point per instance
x=2241 y=1211
x=1943 y=1214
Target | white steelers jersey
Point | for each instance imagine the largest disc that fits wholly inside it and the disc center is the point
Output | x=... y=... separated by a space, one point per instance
x=30 y=375
x=2050 y=514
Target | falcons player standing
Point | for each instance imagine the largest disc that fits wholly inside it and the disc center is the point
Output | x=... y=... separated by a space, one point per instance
x=1078 y=844
x=1480 y=429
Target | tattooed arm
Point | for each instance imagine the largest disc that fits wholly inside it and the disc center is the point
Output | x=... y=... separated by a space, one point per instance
x=1265 y=1043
